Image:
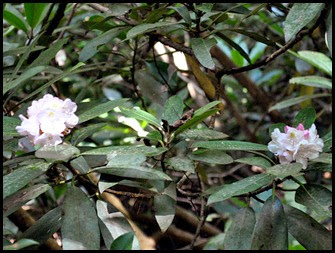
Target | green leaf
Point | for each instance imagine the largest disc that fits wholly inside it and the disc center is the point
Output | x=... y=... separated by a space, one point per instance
x=280 y=126
x=15 y=201
x=324 y=158
x=238 y=236
x=201 y=49
x=316 y=197
x=202 y=134
x=308 y=232
x=15 y=18
x=300 y=15
x=80 y=165
x=28 y=74
x=327 y=141
x=270 y=231
x=245 y=185
x=35 y=12
x=45 y=227
x=22 y=176
x=173 y=109
x=206 y=108
x=20 y=244
x=91 y=48
x=211 y=156
x=115 y=160
x=116 y=150
x=314 y=81
x=82 y=133
x=196 y=119
x=181 y=164
x=230 y=145
x=318 y=60
x=99 y=109
x=329 y=32
x=254 y=36
x=61 y=152
x=293 y=101
x=141 y=115
x=20 y=50
x=80 y=229
x=284 y=170
x=123 y=242
x=145 y=28
x=9 y=124
x=256 y=161
x=183 y=12
x=306 y=116
x=165 y=206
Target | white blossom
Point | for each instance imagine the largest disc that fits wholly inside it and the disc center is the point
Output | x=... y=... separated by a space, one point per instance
x=296 y=144
x=48 y=119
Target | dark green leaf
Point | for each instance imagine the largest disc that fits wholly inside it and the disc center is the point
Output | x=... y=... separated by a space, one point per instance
x=254 y=36
x=173 y=109
x=211 y=156
x=306 y=116
x=284 y=170
x=35 y=13
x=15 y=18
x=300 y=15
x=280 y=126
x=270 y=231
x=115 y=160
x=61 y=152
x=206 y=108
x=201 y=49
x=123 y=242
x=184 y=13
x=144 y=28
x=324 y=158
x=245 y=185
x=80 y=164
x=314 y=81
x=82 y=133
x=20 y=244
x=141 y=115
x=181 y=164
x=327 y=140
x=308 y=232
x=9 y=124
x=80 y=229
x=230 y=145
x=148 y=151
x=256 y=161
x=238 y=236
x=202 y=134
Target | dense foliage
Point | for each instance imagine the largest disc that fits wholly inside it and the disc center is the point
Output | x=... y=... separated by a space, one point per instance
x=167 y=113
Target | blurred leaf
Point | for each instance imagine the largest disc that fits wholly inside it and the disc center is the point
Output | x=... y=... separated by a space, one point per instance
x=173 y=109
x=328 y=141
x=20 y=244
x=80 y=229
x=300 y=15
x=15 y=201
x=308 y=232
x=144 y=28
x=61 y=152
x=245 y=185
x=20 y=177
x=318 y=60
x=115 y=160
x=20 y=50
x=293 y=101
x=254 y=36
x=181 y=164
x=238 y=236
x=91 y=48
x=45 y=227
x=215 y=242
x=141 y=115
x=82 y=133
x=324 y=158
x=183 y=12
x=201 y=49
x=237 y=58
x=211 y=156
x=80 y=165
x=145 y=150
x=101 y=108
x=35 y=12
x=27 y=75
x=329 y=32
x=316 y=197
x=306 y=116
x=202 y=134
x=256 y=161
x=270 y=231
x=206 y=107
x=284 y=170
x=123 y=242
x=15 y=18
x=230 y=145
x=314 y=81
x=165 y=206
x=9 y=124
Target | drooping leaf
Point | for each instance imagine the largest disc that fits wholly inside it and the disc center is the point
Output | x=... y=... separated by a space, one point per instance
x=184 y=13
x=20 y=244
x=211 y=156
x=181 y=164
x=238 y=236
x=165 y=206
x=20 y=177
x=82 y=133
x=318 y=60
x=123 y=242
x=100 y=109
x=245 y=185
x=201 y=49
x=173 y=109
x=308 y=232
x=144 y=28
x=15 y=18
x=35 y=13
x=270 y=231
x=9 y=124
x=254 y=36
x=80 y=229
x=299 y=16
x=313 y=81
x=306 y=116
x=18 y=199
x=256 y=161
x=57 y=153
x=148 y=151
x=141 y=115
x=202 y=134
x=316 y=197
x=284 y=170
x=230 y=145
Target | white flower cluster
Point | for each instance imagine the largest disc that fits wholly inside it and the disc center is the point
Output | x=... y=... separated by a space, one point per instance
x=49 y=119
x=296 y=144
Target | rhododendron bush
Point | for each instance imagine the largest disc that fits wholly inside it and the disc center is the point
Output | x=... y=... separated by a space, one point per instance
x=167 y=126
